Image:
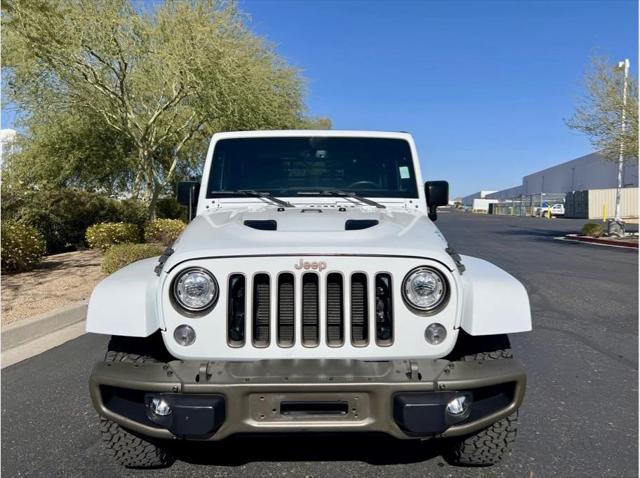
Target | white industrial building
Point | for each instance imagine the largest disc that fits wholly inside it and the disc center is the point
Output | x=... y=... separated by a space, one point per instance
x=478 y=202
x=587 y=172
x=590 y=180
x=508 y=193
x=467 y=201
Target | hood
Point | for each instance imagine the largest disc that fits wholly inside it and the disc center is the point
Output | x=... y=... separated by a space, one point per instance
x=270 y=230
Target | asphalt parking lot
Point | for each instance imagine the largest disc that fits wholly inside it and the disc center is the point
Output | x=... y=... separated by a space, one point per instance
x=579 y=418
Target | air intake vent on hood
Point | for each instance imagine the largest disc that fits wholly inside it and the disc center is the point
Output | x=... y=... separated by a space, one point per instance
x=356 y=224
x=262 y=224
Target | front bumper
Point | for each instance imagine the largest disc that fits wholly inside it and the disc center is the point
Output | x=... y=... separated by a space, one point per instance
x=212 y=400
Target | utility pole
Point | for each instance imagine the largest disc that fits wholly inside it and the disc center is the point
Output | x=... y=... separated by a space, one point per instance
x=623 y=65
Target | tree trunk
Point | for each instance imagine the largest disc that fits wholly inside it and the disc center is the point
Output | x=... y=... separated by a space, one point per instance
x=151 y=187
x=153 y=201
x=137 y=184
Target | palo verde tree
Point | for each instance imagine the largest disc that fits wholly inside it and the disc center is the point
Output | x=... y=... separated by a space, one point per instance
x=152 y=84
x=599 y=112
x=69 y=149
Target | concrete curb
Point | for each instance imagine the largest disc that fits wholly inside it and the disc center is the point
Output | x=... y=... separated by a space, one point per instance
x=24 y=331
x=598 y=242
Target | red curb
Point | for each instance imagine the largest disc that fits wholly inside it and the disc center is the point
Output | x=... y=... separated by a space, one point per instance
x=606 y=242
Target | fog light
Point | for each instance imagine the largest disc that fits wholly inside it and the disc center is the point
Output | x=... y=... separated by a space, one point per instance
x=160 y=407
x=184 y=335
x=459 y=405
x=435 y=334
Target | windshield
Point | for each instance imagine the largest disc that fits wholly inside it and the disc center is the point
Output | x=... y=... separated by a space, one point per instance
x=292 y=166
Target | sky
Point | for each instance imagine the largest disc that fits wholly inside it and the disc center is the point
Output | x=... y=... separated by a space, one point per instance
x=485 y=87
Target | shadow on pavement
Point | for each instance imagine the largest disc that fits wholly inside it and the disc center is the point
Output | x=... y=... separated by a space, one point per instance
x=369 y=448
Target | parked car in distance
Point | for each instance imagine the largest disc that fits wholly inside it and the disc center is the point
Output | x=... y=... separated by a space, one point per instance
x=554 y=210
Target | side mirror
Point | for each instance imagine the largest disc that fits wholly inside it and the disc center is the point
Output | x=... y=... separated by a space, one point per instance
x=187 y=195
x=437 y=193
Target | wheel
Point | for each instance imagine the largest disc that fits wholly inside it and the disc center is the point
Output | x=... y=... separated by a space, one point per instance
x=492 y=444
x=128 y=448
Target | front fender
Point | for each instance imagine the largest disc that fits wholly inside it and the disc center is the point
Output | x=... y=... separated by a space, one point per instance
x=494 y=301
x=125 y=302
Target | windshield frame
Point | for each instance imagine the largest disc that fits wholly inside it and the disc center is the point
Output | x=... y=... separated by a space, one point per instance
x=210 y=192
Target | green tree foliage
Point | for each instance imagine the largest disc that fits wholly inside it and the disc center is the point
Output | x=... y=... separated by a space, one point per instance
x=599 y=113
x=169 y=208
x=123 y=98
x=70 y=150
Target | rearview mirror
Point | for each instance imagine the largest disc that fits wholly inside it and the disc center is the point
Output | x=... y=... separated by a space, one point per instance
x=187 y=195
x=437 y=194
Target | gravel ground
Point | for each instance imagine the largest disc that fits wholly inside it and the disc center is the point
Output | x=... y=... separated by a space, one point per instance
x=59 y=280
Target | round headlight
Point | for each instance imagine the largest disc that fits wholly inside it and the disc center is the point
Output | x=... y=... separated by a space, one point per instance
x=195 y=289
x=424 y=288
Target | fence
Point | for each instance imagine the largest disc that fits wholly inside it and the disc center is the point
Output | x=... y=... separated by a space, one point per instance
x=525 y=205
x=590 y=204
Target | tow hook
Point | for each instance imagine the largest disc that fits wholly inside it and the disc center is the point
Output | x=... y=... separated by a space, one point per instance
x=204 y=372
x=413 y=373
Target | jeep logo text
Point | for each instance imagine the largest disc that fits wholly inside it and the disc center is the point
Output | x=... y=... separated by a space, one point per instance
x=306 y=265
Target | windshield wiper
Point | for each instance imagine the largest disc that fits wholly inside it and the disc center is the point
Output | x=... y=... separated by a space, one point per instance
x=343 y=194
x=256 y=194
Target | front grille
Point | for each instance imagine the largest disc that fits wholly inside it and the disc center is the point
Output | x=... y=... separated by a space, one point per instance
x=310 y=312
x=335 y=310
x=235 y=311
x=384 y=310
x=359 y=310
x=310 y=309
x=261 y=310
x=286 y=310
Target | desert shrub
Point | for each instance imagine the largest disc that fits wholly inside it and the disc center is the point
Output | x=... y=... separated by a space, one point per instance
x=131 y=210
x=592 y=229
x=63 y=215
x=170 y=208
x=106 y=234
x=121 y=255
x=22 y=247
x=163 y=231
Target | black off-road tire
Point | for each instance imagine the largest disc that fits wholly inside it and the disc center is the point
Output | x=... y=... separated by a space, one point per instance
x=484 y=347
x=128 y=448
x=488 y=446
x=492 y=444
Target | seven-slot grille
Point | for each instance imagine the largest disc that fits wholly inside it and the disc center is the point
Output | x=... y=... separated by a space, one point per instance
x=346 y=304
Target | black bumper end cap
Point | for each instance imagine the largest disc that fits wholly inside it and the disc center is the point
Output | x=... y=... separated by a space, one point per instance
x=422 y=414
x=192 y=415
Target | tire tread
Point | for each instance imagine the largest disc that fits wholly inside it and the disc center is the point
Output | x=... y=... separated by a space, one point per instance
x=130 y=449
x=492 y=444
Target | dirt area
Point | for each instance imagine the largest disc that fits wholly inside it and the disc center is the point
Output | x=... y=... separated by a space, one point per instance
x=59 y=281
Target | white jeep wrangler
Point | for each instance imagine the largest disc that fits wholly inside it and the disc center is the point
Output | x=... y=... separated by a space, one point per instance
x=311 y=293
